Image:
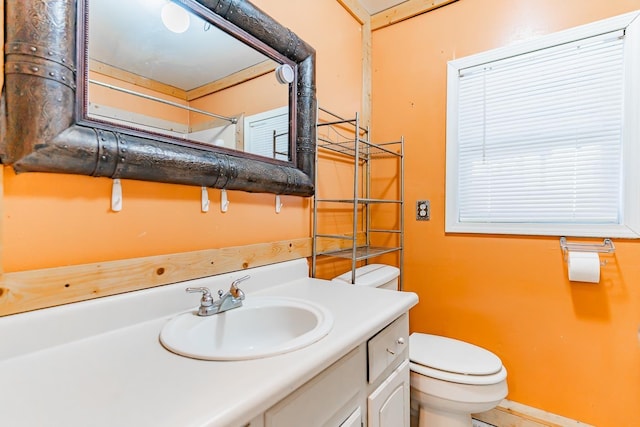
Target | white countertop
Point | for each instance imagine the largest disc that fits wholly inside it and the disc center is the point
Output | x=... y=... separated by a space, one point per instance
x=122 y=376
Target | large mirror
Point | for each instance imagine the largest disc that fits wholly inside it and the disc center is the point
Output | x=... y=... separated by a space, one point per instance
x=101 y=99
x=155 y=65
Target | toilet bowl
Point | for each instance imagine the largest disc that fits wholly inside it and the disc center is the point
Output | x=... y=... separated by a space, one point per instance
x=450 y=379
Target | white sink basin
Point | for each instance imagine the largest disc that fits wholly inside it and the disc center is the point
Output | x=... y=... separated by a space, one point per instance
x=262 y=327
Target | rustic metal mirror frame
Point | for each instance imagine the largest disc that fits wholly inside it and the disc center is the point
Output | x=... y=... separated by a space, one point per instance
x=43 y=130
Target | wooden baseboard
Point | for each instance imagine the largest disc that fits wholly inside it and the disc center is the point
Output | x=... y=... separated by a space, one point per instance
x=513 y=414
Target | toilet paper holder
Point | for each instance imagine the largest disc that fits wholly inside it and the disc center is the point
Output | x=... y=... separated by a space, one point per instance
x=606 y=246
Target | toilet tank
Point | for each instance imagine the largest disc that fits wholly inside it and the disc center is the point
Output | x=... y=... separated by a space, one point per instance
x=373 y=275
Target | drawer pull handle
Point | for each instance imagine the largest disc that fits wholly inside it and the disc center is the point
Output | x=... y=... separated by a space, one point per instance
x=399 y=341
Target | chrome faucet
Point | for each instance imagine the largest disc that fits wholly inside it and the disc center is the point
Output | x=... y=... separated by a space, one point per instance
x=227 y=300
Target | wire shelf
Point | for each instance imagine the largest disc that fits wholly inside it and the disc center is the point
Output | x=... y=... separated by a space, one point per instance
x=362 y=252
x=345 y=139
x=360 y=200
x=366 y=150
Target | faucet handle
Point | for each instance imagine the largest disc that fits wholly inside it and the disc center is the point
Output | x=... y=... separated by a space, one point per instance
x=206 y=300
x=234 y=290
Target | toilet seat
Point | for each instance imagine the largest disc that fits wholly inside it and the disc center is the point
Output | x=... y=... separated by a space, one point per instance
x=453 y=360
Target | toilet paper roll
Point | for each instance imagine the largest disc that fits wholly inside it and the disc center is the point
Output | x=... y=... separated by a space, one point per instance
x=584 y=267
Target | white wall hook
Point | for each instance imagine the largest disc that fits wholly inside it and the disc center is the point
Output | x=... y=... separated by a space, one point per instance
x=116 y=195
x=224 y=201
x=278 y=204
x=204 y=200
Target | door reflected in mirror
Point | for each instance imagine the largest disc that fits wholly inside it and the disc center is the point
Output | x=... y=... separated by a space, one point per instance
x=155 y=66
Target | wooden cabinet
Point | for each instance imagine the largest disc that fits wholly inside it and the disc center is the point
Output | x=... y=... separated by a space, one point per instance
x=388 y=405
x=328 y=400
x=368 y=387
x=388 y=352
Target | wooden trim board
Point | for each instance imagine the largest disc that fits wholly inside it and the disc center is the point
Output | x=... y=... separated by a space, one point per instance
x=241 y=76
x=35 y=289
x=404 y=11
x=513 y=414
x=366 y=73
x=355 y=9
x=135 y=79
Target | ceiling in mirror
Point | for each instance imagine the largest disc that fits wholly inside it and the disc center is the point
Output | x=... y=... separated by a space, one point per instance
x=132 y=35
x=155 y=65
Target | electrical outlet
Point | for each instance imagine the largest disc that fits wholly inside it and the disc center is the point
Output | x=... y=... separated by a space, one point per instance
x=423 y=210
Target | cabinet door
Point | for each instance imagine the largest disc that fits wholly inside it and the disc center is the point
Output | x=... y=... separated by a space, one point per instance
x=326 y=400
x=388 y=405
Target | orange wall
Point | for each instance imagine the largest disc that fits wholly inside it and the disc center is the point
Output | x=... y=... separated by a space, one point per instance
x=57 y=220
x=569 y=348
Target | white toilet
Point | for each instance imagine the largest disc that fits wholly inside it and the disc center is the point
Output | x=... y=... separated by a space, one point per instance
x=450 y=379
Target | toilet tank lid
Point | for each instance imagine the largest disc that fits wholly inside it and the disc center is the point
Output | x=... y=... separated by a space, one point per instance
x=372 y=275
x=451 y=355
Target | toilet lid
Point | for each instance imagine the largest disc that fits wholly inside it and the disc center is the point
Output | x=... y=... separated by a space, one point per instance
x=450 y=355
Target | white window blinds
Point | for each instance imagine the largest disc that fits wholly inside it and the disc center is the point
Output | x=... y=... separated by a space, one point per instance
x=539 y=136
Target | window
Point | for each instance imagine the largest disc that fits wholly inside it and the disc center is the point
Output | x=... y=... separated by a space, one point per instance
x=267 y=134
x=543 y=137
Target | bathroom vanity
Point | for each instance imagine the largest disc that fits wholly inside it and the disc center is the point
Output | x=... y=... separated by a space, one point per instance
x=101 y=363
x=347 y=392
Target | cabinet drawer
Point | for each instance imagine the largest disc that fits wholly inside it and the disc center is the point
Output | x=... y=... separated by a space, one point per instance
x=384 y=349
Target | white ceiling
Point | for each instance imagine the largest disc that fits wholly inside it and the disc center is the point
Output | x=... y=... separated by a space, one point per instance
x=375 y=6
